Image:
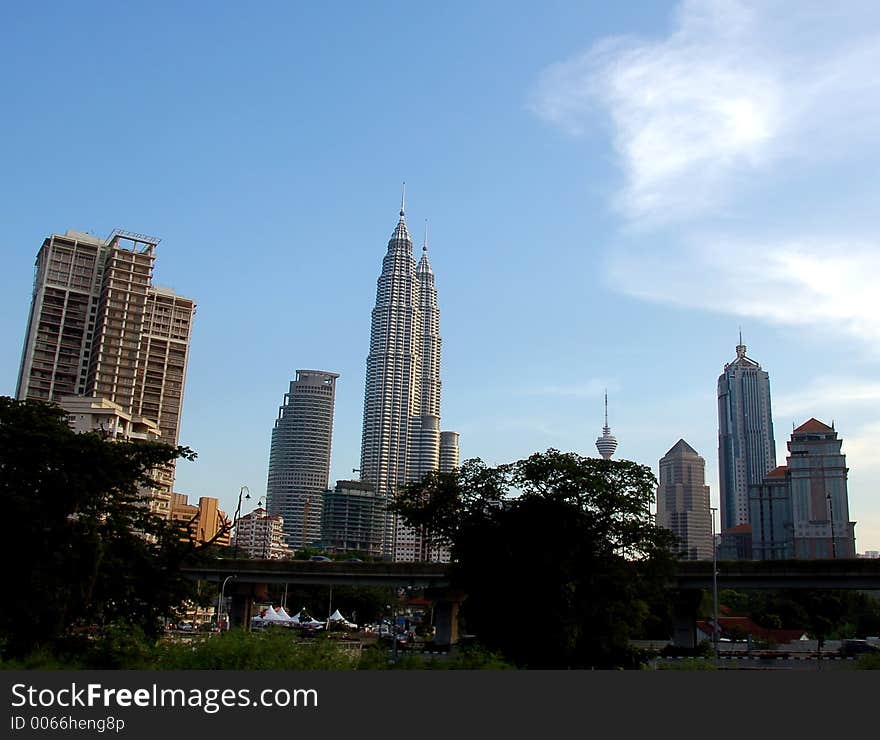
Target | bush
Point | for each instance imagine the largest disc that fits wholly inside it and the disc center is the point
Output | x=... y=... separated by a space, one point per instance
x=265 y=651
x=868 y=662
x=688 y=664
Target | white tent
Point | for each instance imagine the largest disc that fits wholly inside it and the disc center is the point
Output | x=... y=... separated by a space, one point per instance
x=272 y=616
x=283 y=614
x=298 y=619
x=337 y=618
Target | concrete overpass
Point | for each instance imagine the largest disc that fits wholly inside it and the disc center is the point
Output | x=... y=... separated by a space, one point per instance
x=860 y=573
x=856 y=574
x=247 y=579
x=310 y=573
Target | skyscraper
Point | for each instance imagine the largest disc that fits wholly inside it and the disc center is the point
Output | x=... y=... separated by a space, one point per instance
x=401 y=433
x=746 y=448
x=801 y=510
x=299 y=458
x=683 y=501
x=819 y=500
x=99 y=328
x=448 y=451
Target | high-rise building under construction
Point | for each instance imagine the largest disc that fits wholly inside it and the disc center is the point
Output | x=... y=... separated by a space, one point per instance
x=99 y=328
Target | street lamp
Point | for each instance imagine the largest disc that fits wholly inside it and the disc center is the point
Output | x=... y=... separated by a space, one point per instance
x=267 y=531
x=235 y=519
x=713 y=509
x=220 y=601
x=831 y=518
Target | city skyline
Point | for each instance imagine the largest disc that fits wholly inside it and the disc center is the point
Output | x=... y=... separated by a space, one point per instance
x=584 y=238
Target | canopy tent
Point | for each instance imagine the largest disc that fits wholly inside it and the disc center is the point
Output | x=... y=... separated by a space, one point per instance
x=337 y=618
x=304 y=620
x=271 y=616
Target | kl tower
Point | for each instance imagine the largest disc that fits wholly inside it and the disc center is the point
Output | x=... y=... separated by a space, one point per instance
x=607 y=443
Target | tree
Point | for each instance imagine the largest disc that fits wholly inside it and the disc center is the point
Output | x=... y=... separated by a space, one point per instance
x=82 y=549
x=557 y=554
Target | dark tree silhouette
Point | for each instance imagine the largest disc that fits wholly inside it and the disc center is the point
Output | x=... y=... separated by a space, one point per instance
x=82 y=549
x=557 y=553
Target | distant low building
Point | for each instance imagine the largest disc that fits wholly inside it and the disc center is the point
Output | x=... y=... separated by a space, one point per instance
x=736 y=543
x=353 y=518
x=741 y=628
x=115 y=424
x=259 y=535
x=107 y=418
x=204 y=521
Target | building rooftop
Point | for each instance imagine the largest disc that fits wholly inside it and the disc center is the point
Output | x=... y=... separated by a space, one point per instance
x=814 y=425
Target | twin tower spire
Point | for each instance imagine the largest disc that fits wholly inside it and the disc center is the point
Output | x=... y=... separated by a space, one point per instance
x=401 y=225
x=402 y=440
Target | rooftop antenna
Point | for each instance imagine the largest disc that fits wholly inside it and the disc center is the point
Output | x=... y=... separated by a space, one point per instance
x=425 y=244
x=403 y=199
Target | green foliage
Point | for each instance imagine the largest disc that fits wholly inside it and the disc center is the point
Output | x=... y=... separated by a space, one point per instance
x=84 y=552
x=868 y=662
x=269 y=650
x=687 y=664
x=561 y=575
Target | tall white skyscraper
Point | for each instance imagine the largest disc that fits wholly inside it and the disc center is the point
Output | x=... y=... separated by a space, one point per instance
x=299 y=457
x=401 y=432
x=746 y=448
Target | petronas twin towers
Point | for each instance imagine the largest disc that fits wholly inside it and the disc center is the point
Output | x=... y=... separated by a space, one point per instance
x=402 y=440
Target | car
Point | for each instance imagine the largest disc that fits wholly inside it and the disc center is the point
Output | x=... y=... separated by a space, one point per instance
x=353 y=560
x=320 y=559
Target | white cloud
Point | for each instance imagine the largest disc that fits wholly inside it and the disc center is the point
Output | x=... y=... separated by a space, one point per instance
x=860 y=448
x=825 y=285
x=826 y=395
x=751 y=129
x=589 y=389
x=734 y=89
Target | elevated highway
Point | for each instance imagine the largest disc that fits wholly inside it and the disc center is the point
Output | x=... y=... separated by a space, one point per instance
x=247 y=581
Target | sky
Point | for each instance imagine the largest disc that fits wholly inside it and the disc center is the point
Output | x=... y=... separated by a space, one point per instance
x=613 y=191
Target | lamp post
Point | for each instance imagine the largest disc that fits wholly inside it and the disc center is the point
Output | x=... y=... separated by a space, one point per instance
x=235 y=519
x=220 y=601
x=831 y=519
x=266 y=529
x=713 y=509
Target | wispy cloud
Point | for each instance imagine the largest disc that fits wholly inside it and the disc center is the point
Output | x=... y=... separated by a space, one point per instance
x=826 y=395
x=861 y=451
x=732 y=90
x=588 y=389
x=826 y=285
x=746 y=137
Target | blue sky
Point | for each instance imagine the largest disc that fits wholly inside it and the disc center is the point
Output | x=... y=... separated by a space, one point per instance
x=612 y=192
